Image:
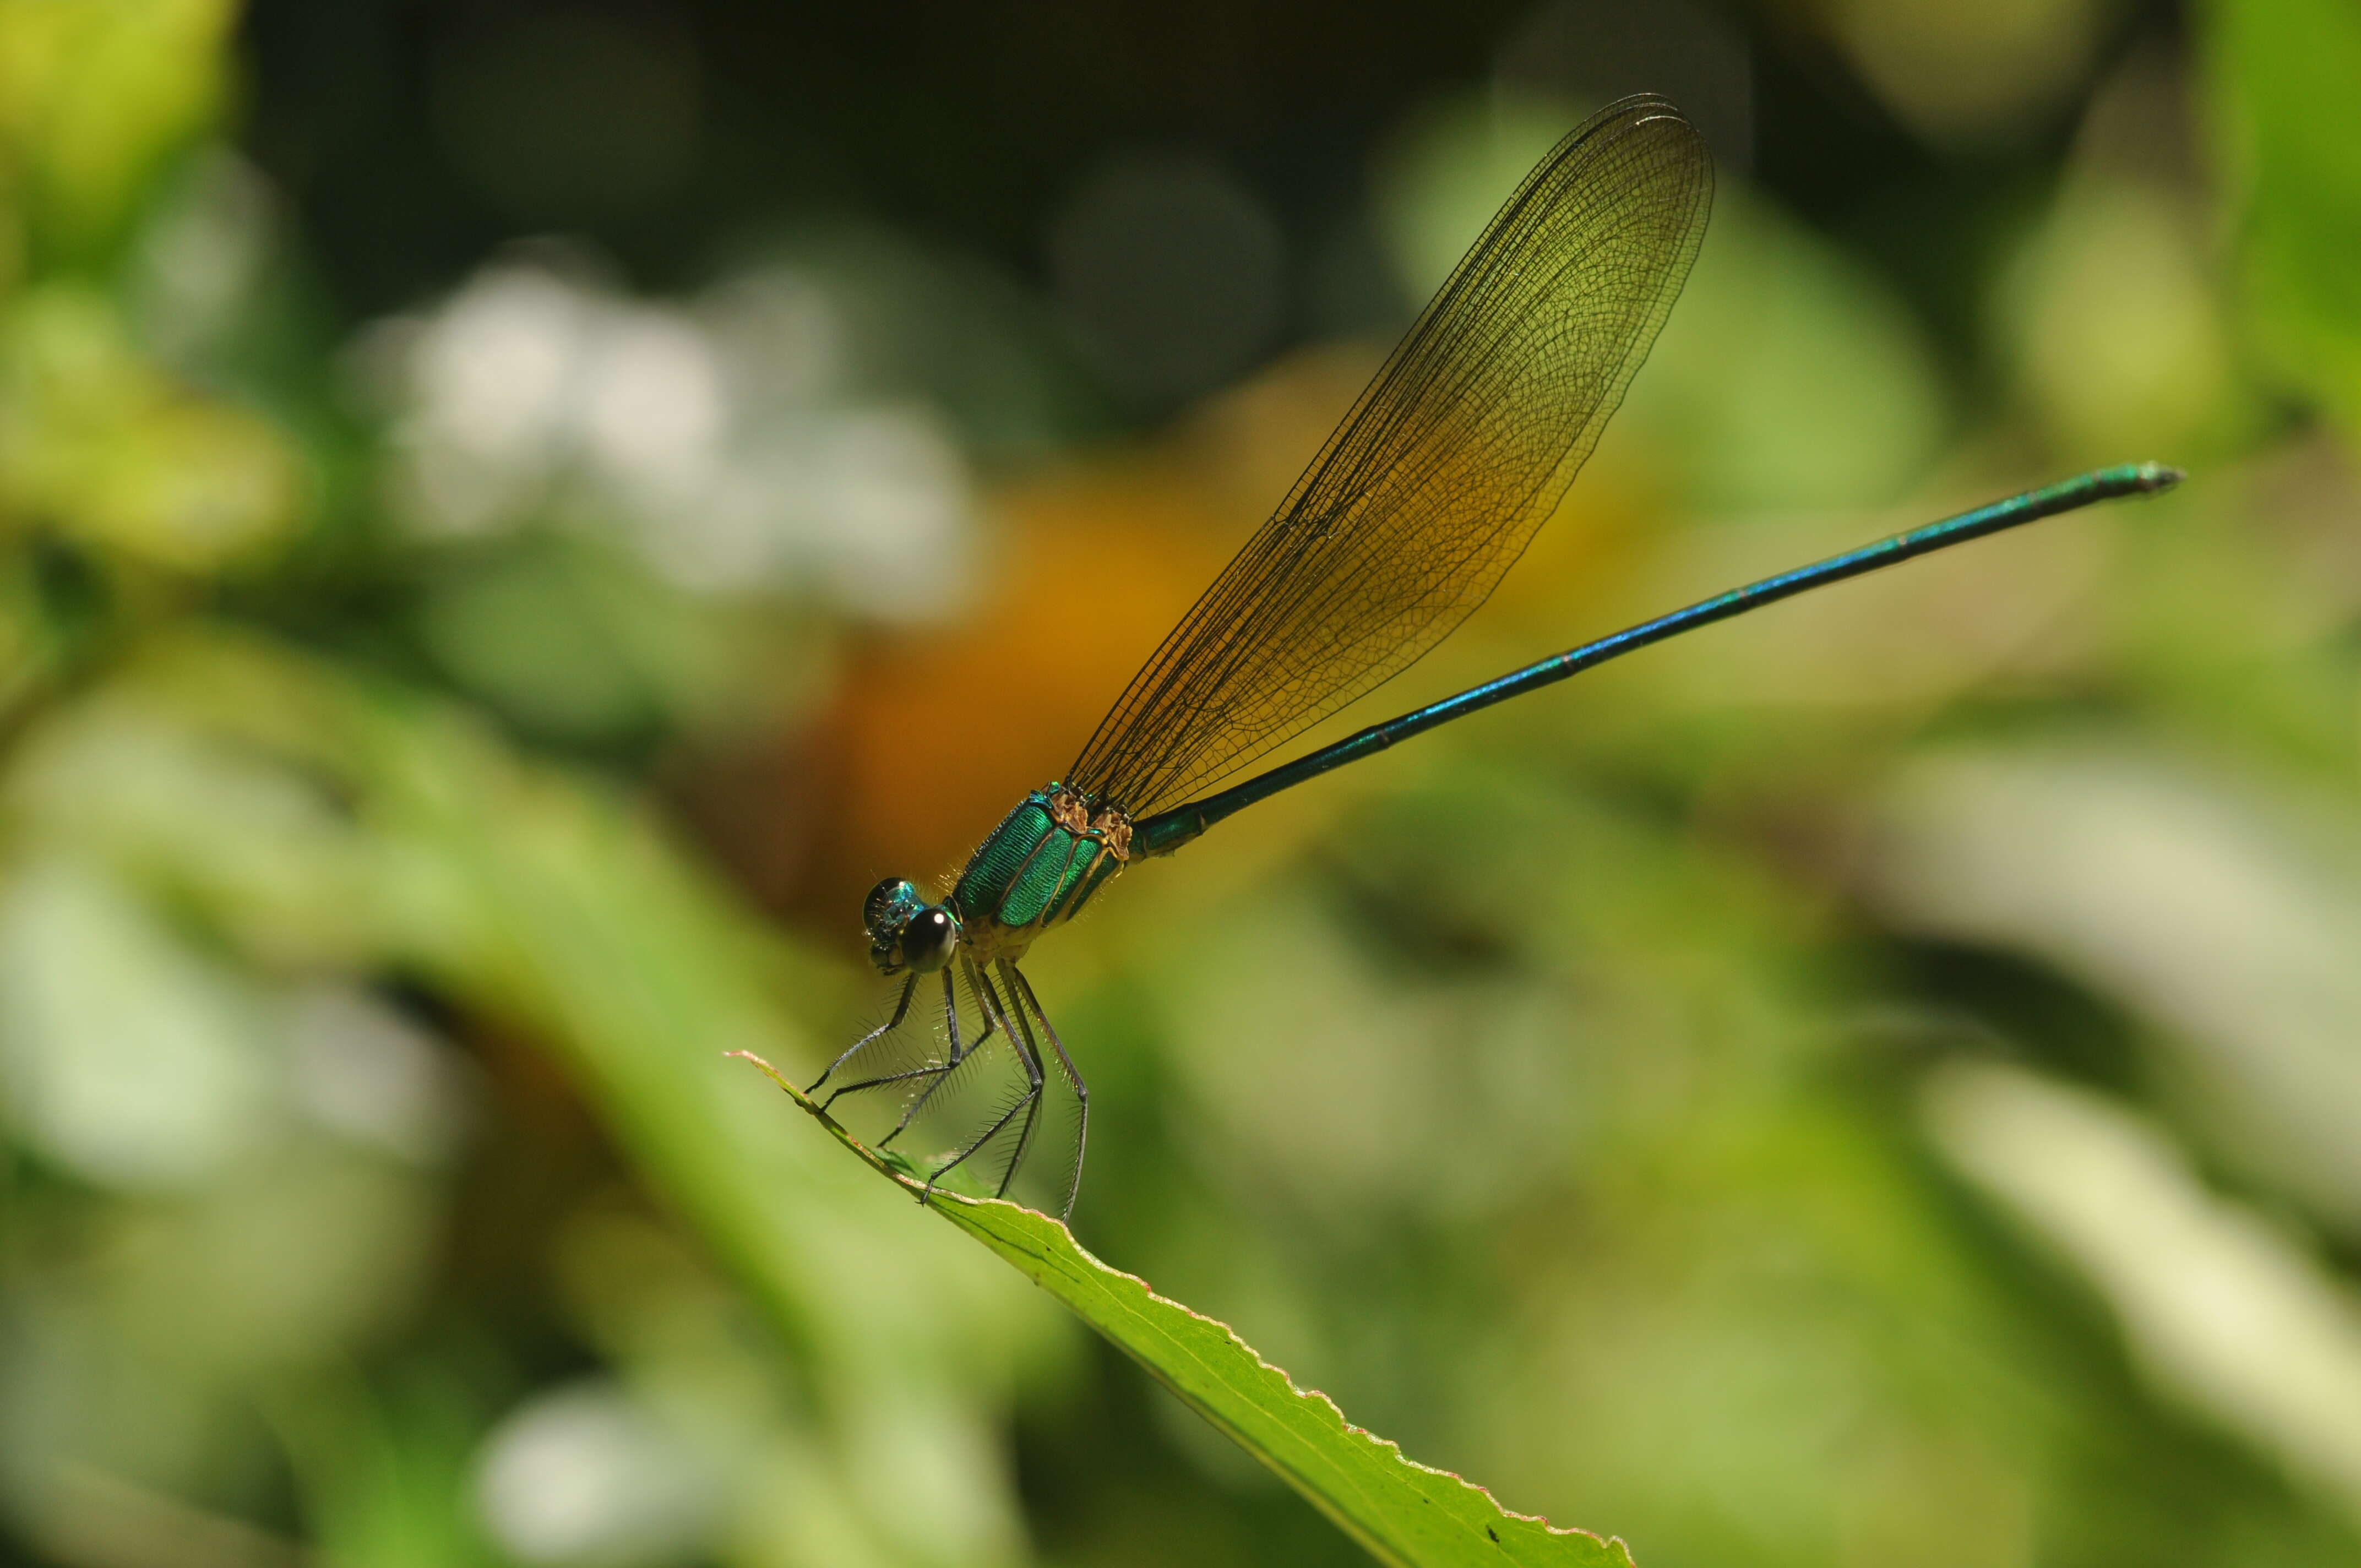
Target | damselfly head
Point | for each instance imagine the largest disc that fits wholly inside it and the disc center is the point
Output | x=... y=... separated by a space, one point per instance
x=905 y=931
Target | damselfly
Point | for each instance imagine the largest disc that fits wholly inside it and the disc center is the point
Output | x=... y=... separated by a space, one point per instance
x=1426 y=494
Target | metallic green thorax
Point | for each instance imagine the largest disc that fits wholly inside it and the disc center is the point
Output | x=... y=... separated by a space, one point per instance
x=1038 y=868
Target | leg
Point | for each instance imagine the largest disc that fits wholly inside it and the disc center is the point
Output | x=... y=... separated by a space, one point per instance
x=1030 y=1051
x=881 y=1082
x=908 y=1073
x=959 y=1053
x=1019 y=985
x=1028 y=1101
x=885 y=1029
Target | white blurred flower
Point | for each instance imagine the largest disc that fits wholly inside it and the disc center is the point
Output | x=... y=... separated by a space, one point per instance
x=866 y=504
x=361 y=1069
x=587 y=1475
x=124 y=1057
x=721 y=442
x=789 y=342
x=652 y=416
x=486 y=385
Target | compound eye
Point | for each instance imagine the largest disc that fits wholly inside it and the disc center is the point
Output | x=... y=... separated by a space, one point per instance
x=928 y=938
x=889 y=904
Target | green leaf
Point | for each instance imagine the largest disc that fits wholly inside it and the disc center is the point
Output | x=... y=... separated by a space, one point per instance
x=2282 y=75
x=1403 y=1512
x=99 y=443
x=95 y=96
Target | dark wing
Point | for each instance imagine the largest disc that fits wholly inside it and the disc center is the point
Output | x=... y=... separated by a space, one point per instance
x=1436 y=480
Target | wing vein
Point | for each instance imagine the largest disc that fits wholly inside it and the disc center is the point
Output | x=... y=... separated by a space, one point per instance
x=1448 y=462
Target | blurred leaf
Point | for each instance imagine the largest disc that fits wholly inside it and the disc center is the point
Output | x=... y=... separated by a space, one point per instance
x=2209 y=914
x=1788 y=375
x=2223 y=1307
x=1404 y=1513
x=2114 y=328
x=382 y=1473
x=1967 y=74
x=569 y=640
x=95 y=442
x=2283 y=74
x=531 y=897
x=93 y=95
x=1448 y=172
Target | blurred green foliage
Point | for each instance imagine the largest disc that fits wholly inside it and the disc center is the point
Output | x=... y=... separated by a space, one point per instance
x=2280 y=74
x=1870 y=1084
